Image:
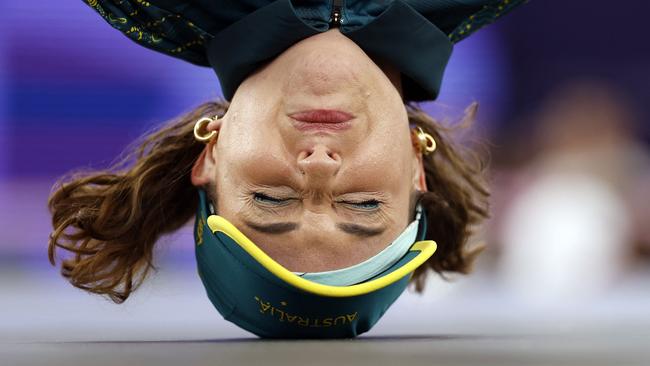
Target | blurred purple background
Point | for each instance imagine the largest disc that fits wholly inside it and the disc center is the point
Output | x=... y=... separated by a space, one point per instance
x=75 y=92
x=556 y=81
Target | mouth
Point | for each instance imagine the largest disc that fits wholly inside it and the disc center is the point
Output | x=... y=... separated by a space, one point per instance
x=321 y=120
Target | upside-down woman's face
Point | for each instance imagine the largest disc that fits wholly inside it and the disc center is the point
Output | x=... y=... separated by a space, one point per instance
x=315 y=190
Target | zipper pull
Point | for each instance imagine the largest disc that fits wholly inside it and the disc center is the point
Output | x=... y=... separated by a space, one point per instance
x=335 y=17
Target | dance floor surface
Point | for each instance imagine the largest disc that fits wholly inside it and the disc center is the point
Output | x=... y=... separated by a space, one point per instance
x=549 y=349
x=44 y=321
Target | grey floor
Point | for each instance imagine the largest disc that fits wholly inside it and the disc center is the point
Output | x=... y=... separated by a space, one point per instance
x=574 y=349
x=44 y=321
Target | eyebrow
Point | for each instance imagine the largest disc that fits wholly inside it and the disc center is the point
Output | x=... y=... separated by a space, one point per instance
x=360 y=230
x=275 y=228
x=285 y=227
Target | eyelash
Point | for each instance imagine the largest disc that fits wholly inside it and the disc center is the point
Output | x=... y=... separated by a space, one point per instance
x=278 y=202
x=362 y=205
x=266 y=199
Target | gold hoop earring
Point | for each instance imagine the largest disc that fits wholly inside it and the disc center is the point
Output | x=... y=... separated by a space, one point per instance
x=199 y=130
x=426 y=143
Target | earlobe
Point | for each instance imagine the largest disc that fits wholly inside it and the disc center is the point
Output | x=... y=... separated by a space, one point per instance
x=206 y=130
x=203 y=170
x=198 y=175
x=419 y=176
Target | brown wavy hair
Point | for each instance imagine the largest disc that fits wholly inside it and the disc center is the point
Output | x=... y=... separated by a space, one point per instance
x=109 y=221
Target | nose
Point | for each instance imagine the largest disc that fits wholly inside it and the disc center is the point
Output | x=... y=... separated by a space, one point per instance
x=319 y=164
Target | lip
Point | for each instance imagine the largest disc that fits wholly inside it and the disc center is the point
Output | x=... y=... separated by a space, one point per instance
x=321 y=120
x=322 y=116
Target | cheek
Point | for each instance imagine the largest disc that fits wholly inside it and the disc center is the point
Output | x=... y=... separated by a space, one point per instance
x=390 y=137
x=379 y=171
x=390 y=150
x=249 y=135
x=253 y=163
x=252 y=117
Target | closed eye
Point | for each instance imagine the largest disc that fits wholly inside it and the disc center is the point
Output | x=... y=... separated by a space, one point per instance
x=368 y=205
x=270 y=200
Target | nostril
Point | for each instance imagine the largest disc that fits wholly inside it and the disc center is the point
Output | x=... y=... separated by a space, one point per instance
x=304 y=154
x=334 y=156
x=308 y=152
x=318 y=162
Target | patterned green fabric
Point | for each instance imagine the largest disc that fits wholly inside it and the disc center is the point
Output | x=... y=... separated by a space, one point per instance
x=156 y=28
x=489 y=13
x=184 y=29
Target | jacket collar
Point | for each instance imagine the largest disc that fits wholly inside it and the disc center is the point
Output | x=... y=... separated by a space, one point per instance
x=399 y=35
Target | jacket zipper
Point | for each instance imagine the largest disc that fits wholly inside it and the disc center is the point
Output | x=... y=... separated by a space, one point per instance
x=335 y=17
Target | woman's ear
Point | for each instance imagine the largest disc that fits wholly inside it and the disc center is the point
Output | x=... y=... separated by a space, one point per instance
x=419 y=174
x=204 y=168
x=201 y=171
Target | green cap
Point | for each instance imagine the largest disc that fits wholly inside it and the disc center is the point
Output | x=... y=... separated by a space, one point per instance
x=256 y=293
